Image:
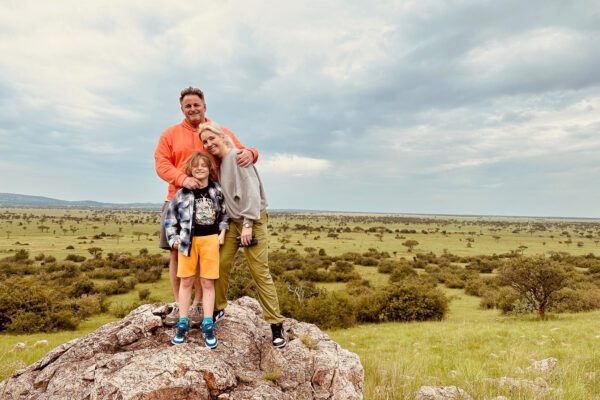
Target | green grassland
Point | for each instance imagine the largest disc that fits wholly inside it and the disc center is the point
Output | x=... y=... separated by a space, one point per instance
x=466 y=349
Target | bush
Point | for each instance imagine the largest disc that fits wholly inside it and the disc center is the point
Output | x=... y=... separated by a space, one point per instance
x=342 y=266
x=143 y=294
x=74 y=258
x=569 y=300
x=81 y=286
x=476 y=287
x=412 y=301
x=409 y=303
x=329 y=311
x=26 y=306
x=152 y=275
x=49 y=259
x=492 y=298
x=402 y=272
x=89 y=305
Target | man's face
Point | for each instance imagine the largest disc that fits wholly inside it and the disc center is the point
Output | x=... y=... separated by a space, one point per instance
x=194 y=109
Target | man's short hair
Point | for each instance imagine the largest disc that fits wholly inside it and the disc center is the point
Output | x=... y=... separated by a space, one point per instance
x=191 y=91
x=195 y=158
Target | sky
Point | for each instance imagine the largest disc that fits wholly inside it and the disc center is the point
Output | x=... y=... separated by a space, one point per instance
x=438 y=107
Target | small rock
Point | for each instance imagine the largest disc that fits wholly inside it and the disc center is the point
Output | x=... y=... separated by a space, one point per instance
x=18 y=347
x=493 y=355
x=453 y=373
x=41 y=343
x=545 y=366
x=539 y=385
x=441 y=393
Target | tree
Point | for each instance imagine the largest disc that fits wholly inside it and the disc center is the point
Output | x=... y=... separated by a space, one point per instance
x=536 y=279
x=95 y=251
x=410 y=244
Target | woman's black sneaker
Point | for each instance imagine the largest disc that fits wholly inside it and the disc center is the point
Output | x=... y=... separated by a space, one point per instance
x=278 y=338
x=218 y=314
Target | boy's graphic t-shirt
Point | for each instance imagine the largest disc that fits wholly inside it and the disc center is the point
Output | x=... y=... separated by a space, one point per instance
x=205 y=215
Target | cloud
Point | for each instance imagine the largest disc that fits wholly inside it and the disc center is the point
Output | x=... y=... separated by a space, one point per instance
x=451 y=100
x=292 y=164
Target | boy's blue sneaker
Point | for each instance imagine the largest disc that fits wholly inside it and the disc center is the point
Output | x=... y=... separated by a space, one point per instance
x=209 y=335
x=180 y=332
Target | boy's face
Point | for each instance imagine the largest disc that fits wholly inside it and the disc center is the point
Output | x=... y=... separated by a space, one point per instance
x=200 y=170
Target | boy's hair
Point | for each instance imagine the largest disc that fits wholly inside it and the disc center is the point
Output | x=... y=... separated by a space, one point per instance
x=216 y=129
x=195 y=158
x=191 y=90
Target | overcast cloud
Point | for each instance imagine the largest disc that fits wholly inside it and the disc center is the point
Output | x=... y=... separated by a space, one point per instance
x=456 y=107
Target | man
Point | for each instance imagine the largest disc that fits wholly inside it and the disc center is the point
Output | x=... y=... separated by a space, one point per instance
x=174 y=147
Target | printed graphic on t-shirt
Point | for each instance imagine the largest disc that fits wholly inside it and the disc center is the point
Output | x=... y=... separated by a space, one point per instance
x=205 y=211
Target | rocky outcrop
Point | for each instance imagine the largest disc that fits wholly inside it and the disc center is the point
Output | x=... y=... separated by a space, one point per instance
x=133 y=359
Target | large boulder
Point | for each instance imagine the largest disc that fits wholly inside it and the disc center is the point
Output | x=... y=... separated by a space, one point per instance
x=134 y=359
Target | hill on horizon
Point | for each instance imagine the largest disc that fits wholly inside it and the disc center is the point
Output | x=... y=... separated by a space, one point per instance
x=24 y=200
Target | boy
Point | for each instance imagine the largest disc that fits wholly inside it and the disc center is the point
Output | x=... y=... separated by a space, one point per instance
x=195 y=224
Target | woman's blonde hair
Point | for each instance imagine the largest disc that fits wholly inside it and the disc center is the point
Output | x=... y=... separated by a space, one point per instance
x=216 y=129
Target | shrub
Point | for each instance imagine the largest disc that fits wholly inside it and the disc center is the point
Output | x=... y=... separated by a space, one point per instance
x=476 y=287
x=152 y=275
x=74 y=258
x=410 y=303
x=26 y=306
x=342 y=266
x=402 y=272
x=89 y=305
x=143 y=294
x=329 y=311
x=49 y=259
x=569 y=300
x=81 y=286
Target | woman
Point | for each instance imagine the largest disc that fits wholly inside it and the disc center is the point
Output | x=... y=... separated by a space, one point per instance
x=246 y=204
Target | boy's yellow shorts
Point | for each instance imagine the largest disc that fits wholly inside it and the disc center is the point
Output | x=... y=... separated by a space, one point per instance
x=205 y=253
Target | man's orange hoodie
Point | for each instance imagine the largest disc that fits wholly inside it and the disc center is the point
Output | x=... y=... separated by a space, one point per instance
x=175 y=146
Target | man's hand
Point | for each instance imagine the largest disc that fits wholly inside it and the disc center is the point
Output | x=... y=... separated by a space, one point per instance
x=245 y=158
x=222 y=237
x=176 y=244
x=191 y=183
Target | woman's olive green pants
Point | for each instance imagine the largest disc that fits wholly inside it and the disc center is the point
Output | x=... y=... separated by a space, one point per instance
x=258 y=263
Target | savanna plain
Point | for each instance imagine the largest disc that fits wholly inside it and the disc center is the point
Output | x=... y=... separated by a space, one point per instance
x=423 y=300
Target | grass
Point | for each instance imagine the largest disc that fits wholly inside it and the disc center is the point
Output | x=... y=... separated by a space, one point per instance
x=467 y=349
x=472 y=346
